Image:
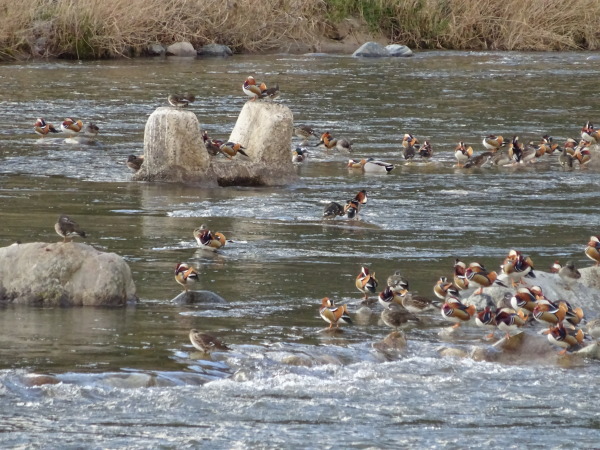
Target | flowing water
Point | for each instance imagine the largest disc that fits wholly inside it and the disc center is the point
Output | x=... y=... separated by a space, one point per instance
x=129 y=377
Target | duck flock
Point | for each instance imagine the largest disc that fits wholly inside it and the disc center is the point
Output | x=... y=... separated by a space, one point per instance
x=526 y=305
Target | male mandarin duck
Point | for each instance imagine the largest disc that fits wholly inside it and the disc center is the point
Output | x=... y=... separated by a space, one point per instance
x=549 y=145
x=455 y=311
x=42 y=127
x=417 y=303
x=394 y=316
x=361 y=197
x=68 y=229
x=71 y=127
x=328 y=142
x=212 y=145
x=230 y=149
x=410 y=146
x=487 y=319
x=352 y=208
x=460 y=279
x=573 y=315
x=493 y=142
x=251 y=89
x=370 y=165
x=516 y=267
x=426 y=150
x=524 y=300
x=299 y=155
x=592 y=250
x=548 y=312
x=366 y=282
x=462 y=153
x=565 y=338
x=590 y=135
x=206 y=343
x=443 y=288
x=478 y=276
x=334 y=315
x=135 y=162
x=583 y=156
x=397 y=282
x=510 y=321
x=332 y=210
x=387 y=296
x=181 y=100
x=186 y=275
x=208 y=240
x=270 y=93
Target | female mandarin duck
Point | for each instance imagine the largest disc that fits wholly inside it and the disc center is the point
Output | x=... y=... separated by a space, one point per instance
x=478 y=276
x=186 y=275
x=370 y=165
x=460 y=279
x=410 y=146
x=443 y=288
x=564 y=338
x=42 y=127
x=251 y=89
x=334 y=315
x=565 y=158
x=206 y=343
x=71 y=126
x=332 y=210
x=181 y=100
x=366 y=282
x=208 y=240
x=462 y=153
x=567 y=273
x=135 y=162
x=68 y=229
x=230 y=149
x=487 y=319
x=304 y=132
x=510 y=321
x=426 y=150
x=455 y=311
x=417 y=303
x=592 y=250
x=394 y=316
x=397 y=282
x=493 y=142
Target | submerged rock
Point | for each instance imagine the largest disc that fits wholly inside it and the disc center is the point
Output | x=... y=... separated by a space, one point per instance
x=155 y=50
x=195 y=297
x=371 y=50
x=64 y=274
x=181 y=49
x=398 y=50
x=215 y=50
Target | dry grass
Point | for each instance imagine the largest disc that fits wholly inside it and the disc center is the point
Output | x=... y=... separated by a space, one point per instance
x=110 y=28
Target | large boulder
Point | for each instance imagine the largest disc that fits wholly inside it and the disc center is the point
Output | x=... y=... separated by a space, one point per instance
x=371 y=50
x=64 y=274
x=215 y=50
x=184 y=49
x=398 y=50
x=174 y=150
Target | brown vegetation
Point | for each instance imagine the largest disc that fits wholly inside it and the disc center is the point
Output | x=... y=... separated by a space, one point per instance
x=111 y=28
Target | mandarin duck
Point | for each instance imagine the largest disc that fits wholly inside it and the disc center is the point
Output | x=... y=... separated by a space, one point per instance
x=525 y=300
x=208 y=240
x=565 y=158
x=394 y=316
x=410 y=146
x=68 y=229
x=567 y=273
x=479 y=277
x=460 y=279
x=549 y=145
x=548 y=312
x=426 y=150
x=479 y=160
x=366 y=282
x=334 y=315
x=516 y=267
x=230 y=149
x=462 y=153
x=397 y=282
x=186 y=275
x=332 y=210
x=328 y=142
x=212 y=145
x=206 y=343
x=455 y=311
x=181 y=100
x=583 y=156
x=565 y=338
x=91 y=129
x=71 y=127
x=352 y=208
x=500 y=158
x=573 y=315
x=443 y=288
x=510 y=321
x=270 y=93
x=388 y=296
x=43 y=128
x=493 y=142
x=588 y=134
x=251 y=89
x=486 y=319
x=417 y=303
x=135 y=162
x=304 y=132
x=592 y=250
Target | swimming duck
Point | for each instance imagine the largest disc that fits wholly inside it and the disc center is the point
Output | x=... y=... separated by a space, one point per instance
x=208 y=240
x=493 y=142
x=455 y=311
x=487 y=319
x=394 y=316
x=206 y=343
x=370 y=165
x=304 y=132
x=333 y=210
x=548 y=312
x=135 y=162
x=548 y=144
x=352 y=208
x=478 y=276
x=509 y=321
x=91 y=129
x=71 y=127
x=361 y=197
x=68 y=229
x=462 y=153
x=426 y=150
x=299 y=155
x=250 y=88
x=230 y=149
x=499 y=158
x=583 y=156
x=443 y=288
x=479 y=160
x=460 y=279
x=334 y=315
x=388 y=296
x=181 y=100
x=417 y=303
x=565 y=158
x=42 y=128
x=186 y=275
x=397 y=282
x=212 y=145
x=410 y=146
x=328 y=142
x=565 y=338
x=366 y=282
x=590 y=135
x=592 y=250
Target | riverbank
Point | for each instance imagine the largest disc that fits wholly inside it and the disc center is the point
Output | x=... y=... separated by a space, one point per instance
x=93 y=30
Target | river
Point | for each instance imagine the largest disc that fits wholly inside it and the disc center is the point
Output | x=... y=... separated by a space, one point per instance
x=129 y=377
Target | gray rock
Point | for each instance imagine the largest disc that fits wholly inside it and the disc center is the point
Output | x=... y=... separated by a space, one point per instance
x=181 y=49
x=194 y=297
x=215 y=50
x=371 y=50
x=398 y=50
x=64 y=274
x=156 y=50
